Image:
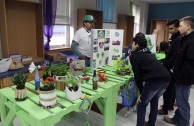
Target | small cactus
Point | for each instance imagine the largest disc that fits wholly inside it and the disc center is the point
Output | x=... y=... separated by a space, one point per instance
x=19 y=79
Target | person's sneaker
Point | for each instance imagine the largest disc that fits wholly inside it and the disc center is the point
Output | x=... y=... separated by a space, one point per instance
x=169 y=120
x=161 y=112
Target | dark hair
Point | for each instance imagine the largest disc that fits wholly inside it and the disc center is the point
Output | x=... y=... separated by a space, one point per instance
x=189 y=20
x=174 y=22
x=164 y=46
x=140 y=40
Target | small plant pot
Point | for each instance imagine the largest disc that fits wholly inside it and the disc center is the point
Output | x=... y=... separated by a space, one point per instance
x=59 y=85
x=20 y=94
x=73 y=95
x=48 y=98
x=102 y=75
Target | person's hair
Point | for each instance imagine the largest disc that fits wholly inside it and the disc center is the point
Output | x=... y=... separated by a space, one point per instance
x=188 y=20
x=164 y=46
x=140 y=40
x=174 y=22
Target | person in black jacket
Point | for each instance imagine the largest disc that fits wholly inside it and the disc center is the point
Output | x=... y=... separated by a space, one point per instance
x=149 y=70
x=183 y=73
x=171 y=56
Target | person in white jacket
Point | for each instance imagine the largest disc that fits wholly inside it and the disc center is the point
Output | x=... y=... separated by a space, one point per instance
x=81 y=44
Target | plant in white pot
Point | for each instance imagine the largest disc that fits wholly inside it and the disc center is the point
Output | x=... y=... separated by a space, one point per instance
x=19 y=79
x=73 y=87
x=47 y=93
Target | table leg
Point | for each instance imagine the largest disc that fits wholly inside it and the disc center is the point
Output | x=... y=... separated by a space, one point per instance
x=7 y=112
x=108 y=108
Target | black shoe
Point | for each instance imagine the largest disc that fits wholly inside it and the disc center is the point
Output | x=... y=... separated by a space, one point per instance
x=161 y=112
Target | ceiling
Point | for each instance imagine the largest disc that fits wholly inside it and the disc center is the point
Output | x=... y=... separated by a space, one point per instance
x=166 y=1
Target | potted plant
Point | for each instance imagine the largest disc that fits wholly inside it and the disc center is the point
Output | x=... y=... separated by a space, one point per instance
x=73 y=87
x=84 y=76
x=19 y=79
x=56 y=71
x=122 y=68
x=47 y=93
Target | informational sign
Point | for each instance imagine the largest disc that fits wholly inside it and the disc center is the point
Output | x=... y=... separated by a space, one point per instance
x=151 y=40
x=107 y=45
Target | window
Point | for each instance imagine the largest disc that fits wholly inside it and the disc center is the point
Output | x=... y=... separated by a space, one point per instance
x=136 y=13
x=60 y=36
x=61 y=31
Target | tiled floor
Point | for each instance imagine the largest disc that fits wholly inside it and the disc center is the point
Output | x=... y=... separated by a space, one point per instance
x=95 y=119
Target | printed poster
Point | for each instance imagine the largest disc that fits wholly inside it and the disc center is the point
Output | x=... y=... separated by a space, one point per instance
x=107 y=45
x=151 y=40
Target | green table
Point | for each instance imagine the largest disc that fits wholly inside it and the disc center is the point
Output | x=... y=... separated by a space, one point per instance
x=160 y=56
x=30 y=113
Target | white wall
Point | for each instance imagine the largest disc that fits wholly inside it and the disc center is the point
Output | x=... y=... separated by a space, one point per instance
x=143 y=17
x=122 y=7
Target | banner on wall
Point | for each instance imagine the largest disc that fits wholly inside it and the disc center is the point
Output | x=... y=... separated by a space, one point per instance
x=107 y=46
x=151 y=42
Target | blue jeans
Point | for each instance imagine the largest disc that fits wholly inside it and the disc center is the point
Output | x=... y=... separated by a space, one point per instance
x=182 y=114
x=151 y=93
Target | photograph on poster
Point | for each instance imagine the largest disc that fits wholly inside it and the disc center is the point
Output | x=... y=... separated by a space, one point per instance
x=97 y=55
x=114 y=57
x=94 y=63
x=115 y=50
x=116 y=42
x=107 y=33
x=101 y=33
x=102 y=54
x=117 y=34
x=101 y=44
x=95 y=41
x=107 y=40
x=100 y=62
x=95 y=49
x=106 y=61
x=106 y=47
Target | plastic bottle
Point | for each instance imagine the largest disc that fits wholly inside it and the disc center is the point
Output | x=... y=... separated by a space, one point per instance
x=37 y=80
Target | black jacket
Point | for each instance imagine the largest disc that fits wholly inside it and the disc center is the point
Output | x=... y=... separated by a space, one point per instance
x=172 y=52
x=147 y=68
x=184 y=66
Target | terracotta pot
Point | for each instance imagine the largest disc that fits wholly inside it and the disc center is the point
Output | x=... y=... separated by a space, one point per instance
x=20 y=94
x=48 y=98
x=102 y=75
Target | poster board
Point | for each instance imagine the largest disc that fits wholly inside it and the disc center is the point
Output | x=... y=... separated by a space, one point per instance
x=107 y=46
x=151 y=40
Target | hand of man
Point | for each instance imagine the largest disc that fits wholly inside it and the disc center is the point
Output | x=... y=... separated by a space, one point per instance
x=138 y=100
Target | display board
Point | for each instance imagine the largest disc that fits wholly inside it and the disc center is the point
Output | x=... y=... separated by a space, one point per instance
x=151 y=39
x=107 y=45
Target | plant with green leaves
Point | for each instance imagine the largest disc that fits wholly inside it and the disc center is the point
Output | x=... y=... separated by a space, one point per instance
x=19 y=79
x=59 y=70
x=48 y=84
x=72 y=81
x=121 y=65
x=86 y=70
